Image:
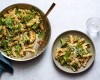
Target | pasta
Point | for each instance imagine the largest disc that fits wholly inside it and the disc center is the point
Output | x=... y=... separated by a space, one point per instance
x=74 y=52
x=18 y=30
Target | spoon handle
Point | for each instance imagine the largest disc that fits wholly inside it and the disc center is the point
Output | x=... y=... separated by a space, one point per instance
x=49 y=10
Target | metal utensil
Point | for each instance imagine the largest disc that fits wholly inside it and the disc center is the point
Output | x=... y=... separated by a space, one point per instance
x=49 y=10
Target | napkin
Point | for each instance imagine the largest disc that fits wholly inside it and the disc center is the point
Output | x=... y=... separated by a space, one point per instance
x=5 y=65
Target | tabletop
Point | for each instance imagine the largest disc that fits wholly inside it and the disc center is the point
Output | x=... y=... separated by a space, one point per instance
x=67 y=15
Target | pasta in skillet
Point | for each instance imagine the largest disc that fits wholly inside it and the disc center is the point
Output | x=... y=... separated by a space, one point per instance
x=18 y=30
x=74 y=52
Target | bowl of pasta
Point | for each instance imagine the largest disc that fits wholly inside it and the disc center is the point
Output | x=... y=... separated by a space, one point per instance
x=73 y=51
x=22 y=36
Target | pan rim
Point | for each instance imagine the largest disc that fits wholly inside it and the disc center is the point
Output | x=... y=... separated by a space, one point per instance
x=27 y=59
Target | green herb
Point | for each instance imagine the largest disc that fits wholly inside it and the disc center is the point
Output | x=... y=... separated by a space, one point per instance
x=22 y=21
x=67 y=55
x=1 y=31
x=18 y=28
x=31 y=16
x=6 y=49
x=75 y=66
x=4 y=42
x=32 y=13
x=2 y=21
x=61 y=60
x=79 y=50
x=63 y=42
x=17 y=47
x=25 y=38
x=10 y=26
x=40 y=34
x=35 y=26
x=32 y=10
x=88 y=50
x=8 y=53
x=9 y=23
x=17 y=12
x=11 y=31
x=26 y=18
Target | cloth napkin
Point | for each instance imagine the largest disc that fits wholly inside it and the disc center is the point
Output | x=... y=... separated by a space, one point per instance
x=5 y=65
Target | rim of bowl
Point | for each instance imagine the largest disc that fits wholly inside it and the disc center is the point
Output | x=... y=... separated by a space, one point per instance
x=83 y=34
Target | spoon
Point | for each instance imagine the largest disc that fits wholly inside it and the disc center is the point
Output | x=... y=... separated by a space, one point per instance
x=49 y=10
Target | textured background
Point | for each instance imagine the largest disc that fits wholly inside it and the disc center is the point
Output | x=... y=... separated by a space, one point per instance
x=67 y=15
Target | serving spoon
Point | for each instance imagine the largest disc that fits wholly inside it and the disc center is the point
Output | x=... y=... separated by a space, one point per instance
x=48 y=11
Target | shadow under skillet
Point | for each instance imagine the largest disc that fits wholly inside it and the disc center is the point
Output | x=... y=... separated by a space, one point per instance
x=72 y=75
x=30 y=63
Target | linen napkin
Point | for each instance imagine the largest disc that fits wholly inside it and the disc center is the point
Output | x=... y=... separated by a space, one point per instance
x=5 y=65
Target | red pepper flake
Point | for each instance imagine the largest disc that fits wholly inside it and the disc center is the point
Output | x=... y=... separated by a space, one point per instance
x=40 y=42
